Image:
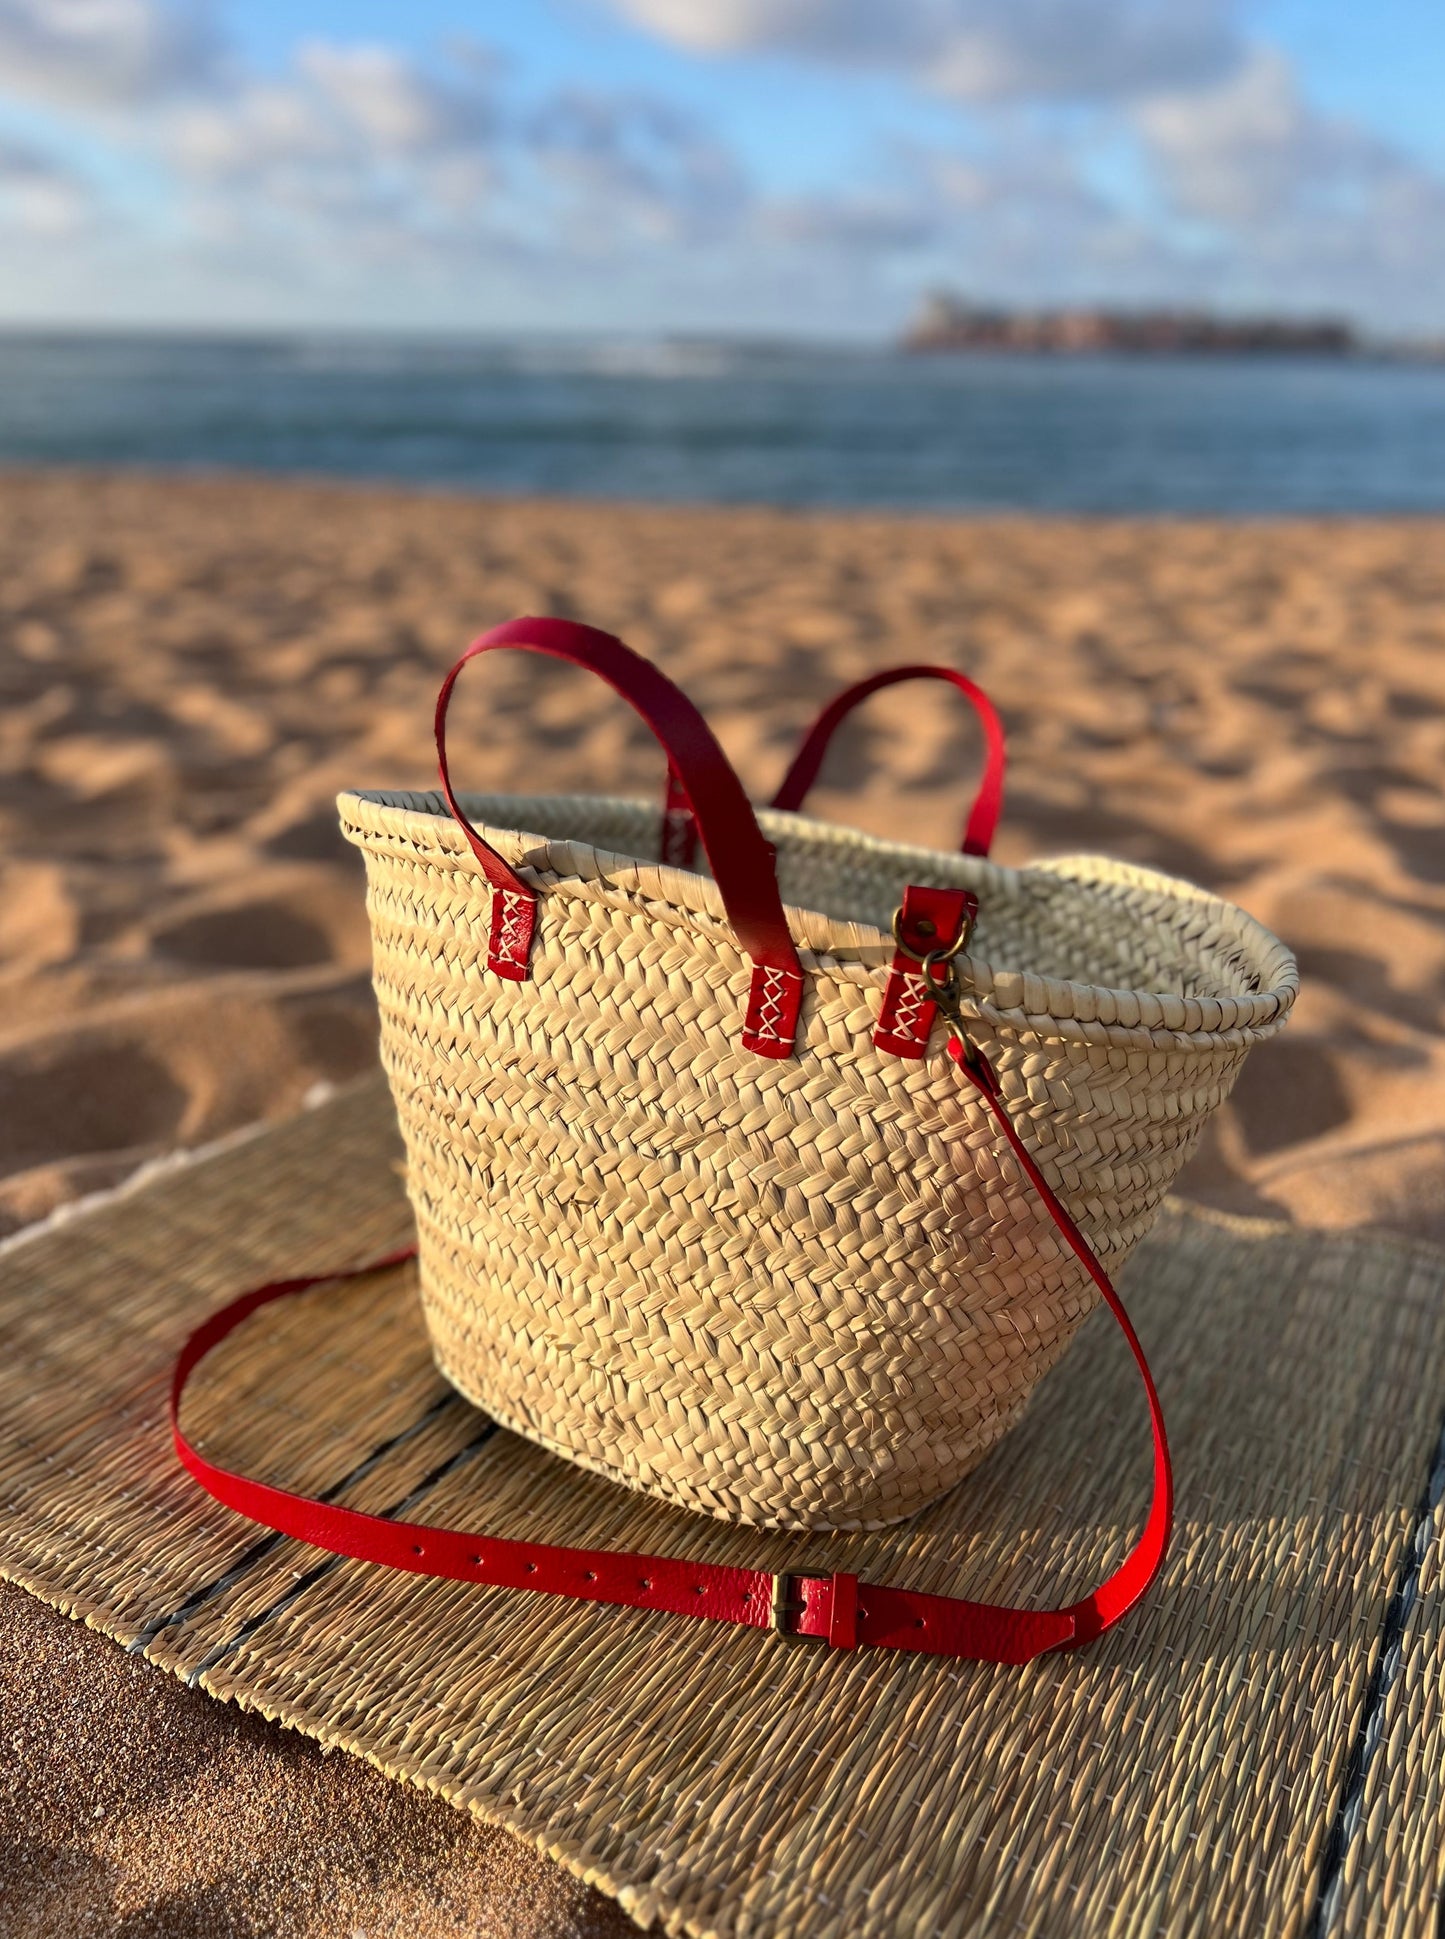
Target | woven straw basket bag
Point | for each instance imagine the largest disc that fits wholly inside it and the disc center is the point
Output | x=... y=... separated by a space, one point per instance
x=701 y=1201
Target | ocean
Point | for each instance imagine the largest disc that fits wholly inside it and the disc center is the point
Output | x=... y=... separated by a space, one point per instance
x=695 y=421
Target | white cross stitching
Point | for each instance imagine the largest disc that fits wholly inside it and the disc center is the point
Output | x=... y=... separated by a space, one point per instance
x=908 y=1019
x=770 y=1004
x=510 y=942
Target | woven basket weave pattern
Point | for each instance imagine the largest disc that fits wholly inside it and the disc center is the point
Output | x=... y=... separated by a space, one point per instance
x=804 y=1293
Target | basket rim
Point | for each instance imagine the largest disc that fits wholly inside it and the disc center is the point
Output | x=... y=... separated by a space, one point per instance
x=858 y=950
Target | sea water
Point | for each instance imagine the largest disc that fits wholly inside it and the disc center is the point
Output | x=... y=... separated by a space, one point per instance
x=791 y=425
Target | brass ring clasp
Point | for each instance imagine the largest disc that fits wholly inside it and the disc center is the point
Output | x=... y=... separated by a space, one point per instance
x=932 y=957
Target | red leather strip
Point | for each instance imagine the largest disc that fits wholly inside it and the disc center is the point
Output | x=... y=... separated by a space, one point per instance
x=931 y=919
x=983 y=816
x=677 y=847
x=1103 y=1608
x=741 y=861
x=836 y=1608
x=589 y=1575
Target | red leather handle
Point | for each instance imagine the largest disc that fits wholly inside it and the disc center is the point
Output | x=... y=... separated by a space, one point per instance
x=741 y=860
x=983 y=816
x=836 y=1608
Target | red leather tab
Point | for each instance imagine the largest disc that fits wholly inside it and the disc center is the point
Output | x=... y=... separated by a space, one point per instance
x=932 y=919
x=514 y=921
x=774 y=1000
x=677 y=847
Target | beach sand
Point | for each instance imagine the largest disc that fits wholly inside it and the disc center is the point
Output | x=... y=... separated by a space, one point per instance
x=192 y=668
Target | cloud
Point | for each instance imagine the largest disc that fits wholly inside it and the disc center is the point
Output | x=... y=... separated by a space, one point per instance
x=374 y=152
x=1305 y=207
x=1229 y=185
x=40 y=196
x=346 y=126
x=398 y=106
x=1242 y=196
x=632 y=162
x=1253 y=149
x=1235 y=190
x=106 y=52
x=873 y=224
x=975 y=50
x=361 y=179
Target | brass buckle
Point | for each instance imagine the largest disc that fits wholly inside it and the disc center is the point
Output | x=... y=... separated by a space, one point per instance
x=785 y=1605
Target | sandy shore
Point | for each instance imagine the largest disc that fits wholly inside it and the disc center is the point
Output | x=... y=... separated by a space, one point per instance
x=192 y=669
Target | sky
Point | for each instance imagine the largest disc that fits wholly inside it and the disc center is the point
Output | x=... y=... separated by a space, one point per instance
x=794 y=167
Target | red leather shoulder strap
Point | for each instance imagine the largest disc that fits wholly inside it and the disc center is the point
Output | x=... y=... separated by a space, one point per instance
x=699 y=774
x=983 y=816
x=834 y=1608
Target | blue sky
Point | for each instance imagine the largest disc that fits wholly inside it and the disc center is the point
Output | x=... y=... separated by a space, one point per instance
x=807 y=166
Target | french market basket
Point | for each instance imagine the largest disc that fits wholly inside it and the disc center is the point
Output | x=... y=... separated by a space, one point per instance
x=701 y=1201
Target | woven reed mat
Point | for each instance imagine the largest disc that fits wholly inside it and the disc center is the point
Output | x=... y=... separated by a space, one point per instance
x=1258 y=1751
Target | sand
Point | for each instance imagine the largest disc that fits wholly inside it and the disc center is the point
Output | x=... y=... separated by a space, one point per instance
x=191 y=669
